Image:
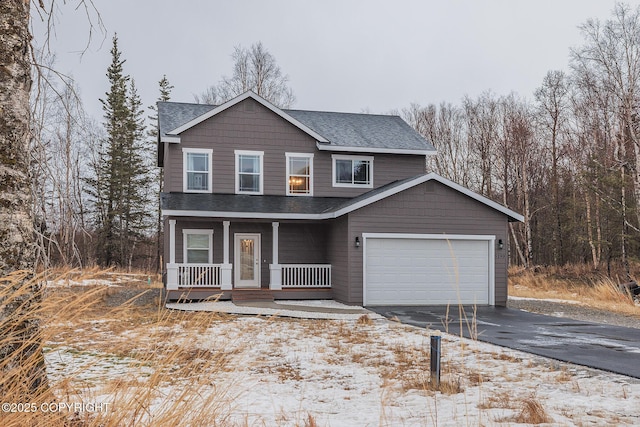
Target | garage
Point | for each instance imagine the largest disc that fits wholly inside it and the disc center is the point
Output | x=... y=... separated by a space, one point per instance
x=428 y=269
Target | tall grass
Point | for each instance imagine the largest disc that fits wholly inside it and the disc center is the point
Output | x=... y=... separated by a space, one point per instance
x=73 y=323
x=591 y=289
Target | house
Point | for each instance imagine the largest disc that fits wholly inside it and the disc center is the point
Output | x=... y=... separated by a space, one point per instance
x=315 y=205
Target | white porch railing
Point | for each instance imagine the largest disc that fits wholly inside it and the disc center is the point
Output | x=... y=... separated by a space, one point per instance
x=306 y=275
x=199 y=275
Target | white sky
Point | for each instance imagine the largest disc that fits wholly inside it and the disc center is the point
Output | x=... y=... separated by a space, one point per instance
x=340 y=55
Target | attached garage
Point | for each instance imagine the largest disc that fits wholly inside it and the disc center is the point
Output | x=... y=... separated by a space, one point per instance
x=428 y=269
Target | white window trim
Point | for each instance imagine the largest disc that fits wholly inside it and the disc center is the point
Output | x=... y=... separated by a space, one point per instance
x=185 y=152
x=335 y=157
x=187 y=231
x=260 y=154
x=302 y=155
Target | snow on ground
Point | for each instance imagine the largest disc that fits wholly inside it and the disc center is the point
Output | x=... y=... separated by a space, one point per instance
x=284 y=372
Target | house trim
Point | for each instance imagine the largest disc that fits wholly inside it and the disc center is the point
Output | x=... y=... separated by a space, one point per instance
x=352 y=158
x=177 y=131
x=185 y=154
x=308 y=156
x=490 y=239
x=187 y=231
x=351 y=207
x=378 y=150
x=260 y=155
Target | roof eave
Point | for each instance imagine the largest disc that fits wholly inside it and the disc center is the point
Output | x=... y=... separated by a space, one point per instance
x=511 y=215
x=170 y=139
x=380 y=150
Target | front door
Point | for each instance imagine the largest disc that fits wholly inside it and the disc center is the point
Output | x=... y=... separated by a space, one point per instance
x=247 y=260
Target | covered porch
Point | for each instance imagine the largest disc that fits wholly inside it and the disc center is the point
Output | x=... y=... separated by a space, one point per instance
x=247 y=255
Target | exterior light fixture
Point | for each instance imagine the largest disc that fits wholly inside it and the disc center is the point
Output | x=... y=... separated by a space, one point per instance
x=500 y=244
x=357 y=241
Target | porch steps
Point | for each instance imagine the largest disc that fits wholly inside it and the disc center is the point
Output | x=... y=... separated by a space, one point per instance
x=242 y=295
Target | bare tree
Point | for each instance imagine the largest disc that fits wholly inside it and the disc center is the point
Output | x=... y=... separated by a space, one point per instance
x=552 y=98
x=445 y=128
x=612 y=53
x=483 y=129
x=254 y=69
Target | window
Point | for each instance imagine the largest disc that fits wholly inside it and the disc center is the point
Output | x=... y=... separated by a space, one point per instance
x=352 y=171
x=197 y=170
x=299 y=174
x=198 y=246
x=249 y=176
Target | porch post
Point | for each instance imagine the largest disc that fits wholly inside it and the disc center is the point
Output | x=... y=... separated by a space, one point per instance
x=225 y=269
x=172 y=267
x=275 y=268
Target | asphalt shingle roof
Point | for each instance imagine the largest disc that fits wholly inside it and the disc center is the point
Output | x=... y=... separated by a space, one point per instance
x=340 y=129
x=174 y=114
x=249 y=204
x=228 y=203
x=362 y=130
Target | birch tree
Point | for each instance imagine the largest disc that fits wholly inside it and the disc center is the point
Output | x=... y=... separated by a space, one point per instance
x=611 y=52
x=255 y=69
x=552 y=98
x=19 y=326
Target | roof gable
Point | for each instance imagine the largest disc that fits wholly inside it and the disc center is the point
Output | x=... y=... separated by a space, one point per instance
x=173 y=135
x=367 y=133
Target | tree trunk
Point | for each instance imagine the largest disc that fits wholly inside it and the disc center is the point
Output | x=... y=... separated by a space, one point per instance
x=21 y=360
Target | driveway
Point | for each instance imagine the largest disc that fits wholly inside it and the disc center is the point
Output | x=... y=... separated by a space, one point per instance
x=610 y=348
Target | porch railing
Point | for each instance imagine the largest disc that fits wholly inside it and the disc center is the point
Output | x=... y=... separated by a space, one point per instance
x=199 y=275
x=306 y=275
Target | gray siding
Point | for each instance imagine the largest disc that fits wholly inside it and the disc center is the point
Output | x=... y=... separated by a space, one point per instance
x=430 y=208
x=338 y=252
x=250 y=126
x=299 y=242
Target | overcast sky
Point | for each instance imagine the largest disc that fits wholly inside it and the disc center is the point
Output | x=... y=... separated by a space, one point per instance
x=340 y=55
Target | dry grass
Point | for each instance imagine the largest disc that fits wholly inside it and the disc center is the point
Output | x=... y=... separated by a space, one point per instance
x=152 y=365
x=76 y=323
x=532 y=412
x=593 y=289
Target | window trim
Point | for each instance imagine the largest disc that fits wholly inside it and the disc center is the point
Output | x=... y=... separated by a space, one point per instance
x=187 y=231
x=335 y=157
x=185 y=162
x=260 y=155
x=289 y=156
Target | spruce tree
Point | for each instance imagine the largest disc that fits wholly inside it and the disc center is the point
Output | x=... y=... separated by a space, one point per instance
x=165 y=95
x=121 y=171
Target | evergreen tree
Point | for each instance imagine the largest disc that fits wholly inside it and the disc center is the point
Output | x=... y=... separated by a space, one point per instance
x=121 y=171
x=165 y=94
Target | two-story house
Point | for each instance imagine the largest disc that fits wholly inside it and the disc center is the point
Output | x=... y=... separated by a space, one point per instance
x=308 y=204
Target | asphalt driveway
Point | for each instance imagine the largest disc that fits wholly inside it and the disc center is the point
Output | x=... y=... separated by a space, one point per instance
x=610 y=348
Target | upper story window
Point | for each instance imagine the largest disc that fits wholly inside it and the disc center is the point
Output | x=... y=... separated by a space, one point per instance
x=299 y=174
x=198 y=246
x=352 y=171
x=249 y=176
x=197 y=176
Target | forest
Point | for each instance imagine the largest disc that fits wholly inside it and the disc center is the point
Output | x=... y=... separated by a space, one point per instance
x=566 y=157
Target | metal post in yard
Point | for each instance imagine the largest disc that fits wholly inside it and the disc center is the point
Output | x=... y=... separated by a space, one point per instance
x=435 y=361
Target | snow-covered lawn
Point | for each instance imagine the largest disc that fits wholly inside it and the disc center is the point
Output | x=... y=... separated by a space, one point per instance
x=230 y=370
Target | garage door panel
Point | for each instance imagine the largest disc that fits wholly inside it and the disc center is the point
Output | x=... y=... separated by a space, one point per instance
x=426 y=271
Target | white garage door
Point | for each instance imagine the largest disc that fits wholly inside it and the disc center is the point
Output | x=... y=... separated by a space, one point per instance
x=428 y=270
